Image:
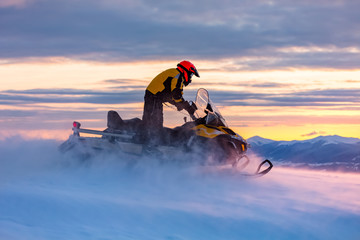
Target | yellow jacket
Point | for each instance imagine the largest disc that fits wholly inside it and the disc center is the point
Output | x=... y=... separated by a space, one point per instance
x=168 y=86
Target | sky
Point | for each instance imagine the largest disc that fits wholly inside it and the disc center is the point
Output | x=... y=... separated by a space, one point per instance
x=285 y=70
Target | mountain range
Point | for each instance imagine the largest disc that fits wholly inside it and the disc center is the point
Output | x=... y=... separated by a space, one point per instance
x=323 y=152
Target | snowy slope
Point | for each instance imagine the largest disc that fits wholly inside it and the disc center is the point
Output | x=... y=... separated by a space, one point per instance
x=334 y=139
x=324 y=152
x=45 y=195
x=331 y=139
x=259 y=140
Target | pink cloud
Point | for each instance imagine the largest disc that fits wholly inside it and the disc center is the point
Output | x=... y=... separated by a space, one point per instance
x=15 y=3
x=313 y=133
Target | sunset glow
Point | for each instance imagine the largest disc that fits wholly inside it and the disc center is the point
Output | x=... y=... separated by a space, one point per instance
x=250 y=116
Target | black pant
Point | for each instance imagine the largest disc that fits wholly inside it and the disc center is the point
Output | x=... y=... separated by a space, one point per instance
x=153 y=118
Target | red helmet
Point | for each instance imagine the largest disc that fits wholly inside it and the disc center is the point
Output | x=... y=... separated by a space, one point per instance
x=188 y=70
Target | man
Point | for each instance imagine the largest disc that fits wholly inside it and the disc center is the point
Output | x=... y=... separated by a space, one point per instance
x=166 y=87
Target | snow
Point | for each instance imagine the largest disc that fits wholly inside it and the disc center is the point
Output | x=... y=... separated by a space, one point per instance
x=335 y=139
x=46 y=195
x=259 y=140
x=330 y=139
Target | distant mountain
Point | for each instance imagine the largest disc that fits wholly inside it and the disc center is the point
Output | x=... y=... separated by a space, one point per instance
x=323 y=152
x=259 y=140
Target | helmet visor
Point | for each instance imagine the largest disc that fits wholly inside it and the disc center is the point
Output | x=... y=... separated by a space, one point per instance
x=196 y=72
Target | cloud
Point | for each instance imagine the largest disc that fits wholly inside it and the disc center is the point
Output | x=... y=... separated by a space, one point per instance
x=15 y=3
x=118 y=94
x=137 y=30
x=313 y=133
x=126 y=82
x=57 y=108
x=258 y=84
x=5 y=114
x=52 y=109
x=326 y=97
x=19 y=97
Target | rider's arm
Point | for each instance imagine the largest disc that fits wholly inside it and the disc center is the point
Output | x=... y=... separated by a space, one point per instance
x=177 y=96
x=177 y=93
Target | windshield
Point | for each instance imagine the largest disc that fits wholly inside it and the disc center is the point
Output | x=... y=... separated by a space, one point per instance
x=207 y=109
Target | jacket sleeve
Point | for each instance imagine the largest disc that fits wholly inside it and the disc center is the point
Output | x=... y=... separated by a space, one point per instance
x=177 y=96
x=177 y=93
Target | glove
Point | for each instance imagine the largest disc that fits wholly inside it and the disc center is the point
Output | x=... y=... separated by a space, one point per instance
x=181 y=106
x=191 y=108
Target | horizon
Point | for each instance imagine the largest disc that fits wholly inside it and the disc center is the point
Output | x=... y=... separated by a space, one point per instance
x=283 y=71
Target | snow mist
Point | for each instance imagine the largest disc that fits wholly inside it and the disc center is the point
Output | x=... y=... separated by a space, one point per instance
x=47 y=195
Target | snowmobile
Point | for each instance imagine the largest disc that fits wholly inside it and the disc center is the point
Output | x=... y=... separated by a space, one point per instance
x=207 y=133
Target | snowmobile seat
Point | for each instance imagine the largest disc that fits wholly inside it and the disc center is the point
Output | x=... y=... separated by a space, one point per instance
x=115 y=122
